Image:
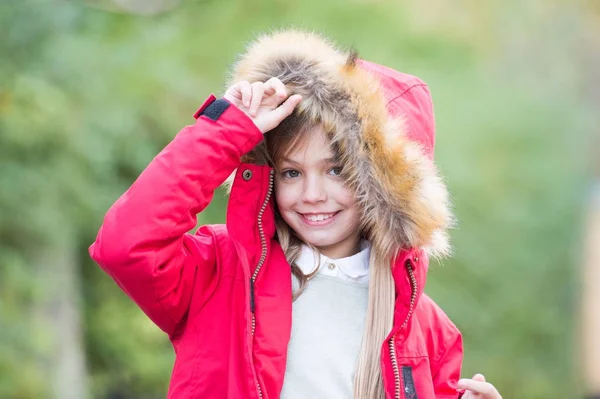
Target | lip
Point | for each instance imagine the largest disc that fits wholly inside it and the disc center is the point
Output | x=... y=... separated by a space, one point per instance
x=318 y=223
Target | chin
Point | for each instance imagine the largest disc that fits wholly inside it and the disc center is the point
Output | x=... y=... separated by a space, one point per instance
x=321 y=239
x=319 y=242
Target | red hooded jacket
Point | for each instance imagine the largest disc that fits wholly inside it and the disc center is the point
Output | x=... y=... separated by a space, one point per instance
x=224 y=295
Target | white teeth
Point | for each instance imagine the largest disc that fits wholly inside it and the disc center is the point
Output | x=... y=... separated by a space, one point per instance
x=318 y=218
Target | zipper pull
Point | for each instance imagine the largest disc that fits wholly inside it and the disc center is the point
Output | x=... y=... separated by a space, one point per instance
x=252 y=303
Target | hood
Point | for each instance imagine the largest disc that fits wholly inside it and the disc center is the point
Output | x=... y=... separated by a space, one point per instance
x=381 y=127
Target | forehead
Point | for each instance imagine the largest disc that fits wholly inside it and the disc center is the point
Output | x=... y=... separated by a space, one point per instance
x=312 y=147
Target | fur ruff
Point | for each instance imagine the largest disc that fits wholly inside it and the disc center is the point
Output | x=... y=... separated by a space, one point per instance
x=403 y=201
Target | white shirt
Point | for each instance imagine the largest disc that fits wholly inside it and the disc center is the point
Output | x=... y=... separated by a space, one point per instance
x=328 y=322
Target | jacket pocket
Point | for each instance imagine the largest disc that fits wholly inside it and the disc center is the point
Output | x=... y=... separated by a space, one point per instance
x=408 y=383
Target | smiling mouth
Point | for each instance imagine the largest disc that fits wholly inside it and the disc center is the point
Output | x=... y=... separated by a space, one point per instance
x=318 y=218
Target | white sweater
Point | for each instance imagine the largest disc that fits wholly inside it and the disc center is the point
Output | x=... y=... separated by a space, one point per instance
x=327 y=327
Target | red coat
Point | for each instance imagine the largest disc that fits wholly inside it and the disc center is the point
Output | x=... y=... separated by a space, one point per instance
x=229 y=326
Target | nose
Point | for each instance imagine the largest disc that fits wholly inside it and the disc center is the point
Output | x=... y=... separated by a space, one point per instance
x=314 y=190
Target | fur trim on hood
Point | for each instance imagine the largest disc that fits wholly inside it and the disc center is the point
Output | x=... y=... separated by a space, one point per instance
x=381 y=126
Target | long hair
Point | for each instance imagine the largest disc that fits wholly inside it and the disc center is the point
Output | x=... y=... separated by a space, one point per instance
x=368 y=382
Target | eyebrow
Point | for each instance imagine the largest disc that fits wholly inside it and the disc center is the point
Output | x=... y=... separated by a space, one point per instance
x=326 y=160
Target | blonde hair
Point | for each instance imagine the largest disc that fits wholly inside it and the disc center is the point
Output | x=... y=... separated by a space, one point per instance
x=368 y=381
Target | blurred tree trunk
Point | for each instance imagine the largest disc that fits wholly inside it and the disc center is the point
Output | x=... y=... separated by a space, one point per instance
x=58 y=311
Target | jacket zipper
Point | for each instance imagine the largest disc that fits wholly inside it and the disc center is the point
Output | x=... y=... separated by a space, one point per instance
x=261 y=261
x=413 y=298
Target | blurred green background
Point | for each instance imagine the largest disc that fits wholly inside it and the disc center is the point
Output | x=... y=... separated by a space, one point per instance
x=91 y=90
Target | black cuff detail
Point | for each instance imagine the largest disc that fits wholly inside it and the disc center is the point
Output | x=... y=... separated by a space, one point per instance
x=215 y=109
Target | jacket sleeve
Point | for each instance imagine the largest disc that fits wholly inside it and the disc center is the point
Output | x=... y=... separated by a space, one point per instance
x=446 y=372
x=143 y=242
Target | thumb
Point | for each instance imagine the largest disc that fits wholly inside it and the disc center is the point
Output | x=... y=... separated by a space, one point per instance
x=275 y=117
x=479 y=377
x=288 y=106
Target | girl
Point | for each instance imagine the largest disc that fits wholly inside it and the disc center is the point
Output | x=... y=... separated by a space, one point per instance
x=334 y=184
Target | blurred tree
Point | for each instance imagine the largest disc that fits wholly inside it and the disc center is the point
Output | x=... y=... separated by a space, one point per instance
x=39 y=251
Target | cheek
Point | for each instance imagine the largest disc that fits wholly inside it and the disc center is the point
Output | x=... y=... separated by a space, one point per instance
x=345 y=196
x=284 y=195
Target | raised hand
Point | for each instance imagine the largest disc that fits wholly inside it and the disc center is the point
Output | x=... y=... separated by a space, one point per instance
x=267 y=104
x=477 y=388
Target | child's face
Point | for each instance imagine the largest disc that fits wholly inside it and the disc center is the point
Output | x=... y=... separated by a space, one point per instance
x=313 y=200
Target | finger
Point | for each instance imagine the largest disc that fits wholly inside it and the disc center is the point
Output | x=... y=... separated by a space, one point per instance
x=479 y=387
x=246 y=91
x=258 y=90
x=233 y=93
x=479 y=377
x=270 y=87
x=288 y=106
x=283 y=111
x=277 y=88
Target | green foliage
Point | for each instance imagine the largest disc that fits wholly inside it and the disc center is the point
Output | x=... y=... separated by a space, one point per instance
x=88 y=96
